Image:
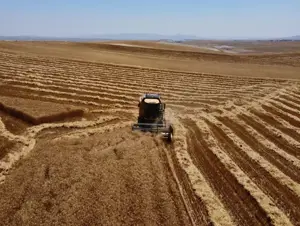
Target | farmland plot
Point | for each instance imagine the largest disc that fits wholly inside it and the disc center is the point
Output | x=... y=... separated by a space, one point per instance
x=235 y=159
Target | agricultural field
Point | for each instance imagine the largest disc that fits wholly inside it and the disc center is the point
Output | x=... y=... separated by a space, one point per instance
x=68 y=155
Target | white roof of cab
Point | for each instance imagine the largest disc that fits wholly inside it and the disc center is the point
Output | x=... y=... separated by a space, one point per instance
x=151 y=101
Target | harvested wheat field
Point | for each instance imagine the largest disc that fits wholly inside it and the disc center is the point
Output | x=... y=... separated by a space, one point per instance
x=234 y=160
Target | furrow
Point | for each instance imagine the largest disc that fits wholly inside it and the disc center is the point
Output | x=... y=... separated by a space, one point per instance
x=270 y=211
x=74 y=94
x=142 y=78
x=112 y=93
x=289 y=98
x=280 y=194
x=51 y=98
x=201 y=187
x=267 y=143
x=276 y=138
x=273 y=157
x=287 y=110
x=68 y=89
x=286 y=103
x=281 y=113
x=293 y=95
x=112 y=84
x=276 y=124
x=232 y=193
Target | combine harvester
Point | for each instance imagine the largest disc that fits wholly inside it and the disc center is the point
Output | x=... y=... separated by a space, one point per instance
x=152 y=117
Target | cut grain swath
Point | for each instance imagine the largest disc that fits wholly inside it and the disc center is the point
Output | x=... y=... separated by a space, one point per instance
x=284 y=198
x=276 y=216
x=273 y=157
x=287 y=103
x=281 y=114
x=272 y=121
x=233 y=194
x=270 y=135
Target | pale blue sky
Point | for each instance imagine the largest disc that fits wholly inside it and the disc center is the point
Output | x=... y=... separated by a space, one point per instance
x=210 y=18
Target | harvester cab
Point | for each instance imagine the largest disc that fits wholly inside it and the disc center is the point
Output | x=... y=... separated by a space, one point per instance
x=152 y=116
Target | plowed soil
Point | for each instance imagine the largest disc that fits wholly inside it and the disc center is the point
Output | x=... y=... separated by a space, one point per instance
x=235 y=158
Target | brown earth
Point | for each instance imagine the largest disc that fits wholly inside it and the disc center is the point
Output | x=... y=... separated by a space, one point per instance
x=5 y=146
x=37 y=112
x=284 y=65
x=235 y=158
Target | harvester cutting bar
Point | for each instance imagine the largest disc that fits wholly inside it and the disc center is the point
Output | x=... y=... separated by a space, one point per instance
x=150 y=127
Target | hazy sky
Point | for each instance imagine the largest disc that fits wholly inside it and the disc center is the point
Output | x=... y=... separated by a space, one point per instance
x=210 y=18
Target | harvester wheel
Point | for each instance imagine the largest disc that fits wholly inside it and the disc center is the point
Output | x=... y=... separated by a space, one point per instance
x=170 y=135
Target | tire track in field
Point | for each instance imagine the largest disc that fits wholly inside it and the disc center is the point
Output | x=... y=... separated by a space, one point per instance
x=216 y=210
x=198 y=211
x=233 y=194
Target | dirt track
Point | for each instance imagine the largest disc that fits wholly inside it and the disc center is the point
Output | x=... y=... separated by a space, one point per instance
x=235 y=159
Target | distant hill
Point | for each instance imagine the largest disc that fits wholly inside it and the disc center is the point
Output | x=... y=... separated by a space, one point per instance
x=296 y=38
x=292 y=38
x=40 y=38
x=136 y=36
x=126 y=36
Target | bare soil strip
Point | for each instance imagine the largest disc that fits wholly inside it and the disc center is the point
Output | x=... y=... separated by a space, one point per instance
x=273 y=157
x=276 y=117
x=289 y=104
x=195 y=207
x=275 y=214
x=267 y=143
x=294 y=95
x=291 y=99
x=284 y=198
x=232 y=193
x=218 y=215
x=285 y=116
x=279 y=142
x=272 y=121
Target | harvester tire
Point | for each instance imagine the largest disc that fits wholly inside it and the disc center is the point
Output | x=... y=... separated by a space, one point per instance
x=170 y=135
